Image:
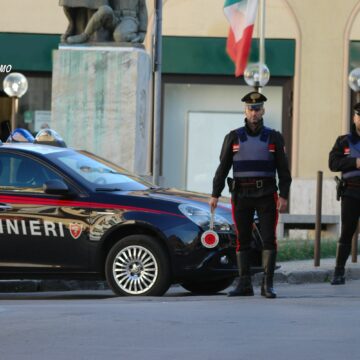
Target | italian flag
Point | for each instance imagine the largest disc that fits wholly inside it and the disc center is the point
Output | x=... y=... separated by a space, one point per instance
x=241 y=15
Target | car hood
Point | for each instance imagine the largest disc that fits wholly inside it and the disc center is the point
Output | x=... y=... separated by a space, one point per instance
x=192 y=198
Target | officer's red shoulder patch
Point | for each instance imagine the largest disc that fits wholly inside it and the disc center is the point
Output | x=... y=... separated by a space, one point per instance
x=235 y=147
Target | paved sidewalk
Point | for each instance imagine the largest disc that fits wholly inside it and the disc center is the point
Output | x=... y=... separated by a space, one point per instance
x=299 y=272
x=292 y=272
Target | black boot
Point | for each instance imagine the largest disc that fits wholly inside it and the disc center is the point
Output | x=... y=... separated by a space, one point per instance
x=244 y=285
x=269 y=263
x=342 y=253
x=338 y=278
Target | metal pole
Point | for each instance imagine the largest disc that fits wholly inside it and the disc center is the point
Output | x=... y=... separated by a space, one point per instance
x=14 y=109
x=262 y=39
x=358 y=96
x=318 y=219
x=157 y=93
x=354 y=244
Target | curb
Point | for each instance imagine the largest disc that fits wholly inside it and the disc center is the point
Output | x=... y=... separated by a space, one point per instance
x=309 y=276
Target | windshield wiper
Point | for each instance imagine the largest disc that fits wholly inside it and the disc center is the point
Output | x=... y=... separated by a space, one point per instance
x=108 y=189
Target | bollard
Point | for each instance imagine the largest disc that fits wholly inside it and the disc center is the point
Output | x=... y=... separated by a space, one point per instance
x=318 y=219
x=354 y=244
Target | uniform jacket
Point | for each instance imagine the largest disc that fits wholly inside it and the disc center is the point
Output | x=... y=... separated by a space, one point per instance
x=341 y=160
x=226 y=161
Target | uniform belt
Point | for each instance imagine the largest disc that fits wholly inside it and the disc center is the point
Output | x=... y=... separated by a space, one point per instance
x=256 y=183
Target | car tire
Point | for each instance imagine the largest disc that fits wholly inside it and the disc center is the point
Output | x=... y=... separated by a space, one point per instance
x=207 y=287
x=138 y=266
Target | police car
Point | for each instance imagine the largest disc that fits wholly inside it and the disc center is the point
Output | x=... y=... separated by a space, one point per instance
x=71 y=214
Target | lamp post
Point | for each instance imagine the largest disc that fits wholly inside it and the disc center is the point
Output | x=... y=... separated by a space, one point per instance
x=15 y=85
x=258 y=74
x=157 y=92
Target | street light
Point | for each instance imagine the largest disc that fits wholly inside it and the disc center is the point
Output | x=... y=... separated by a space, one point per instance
x=257 y=75
x=15 y=85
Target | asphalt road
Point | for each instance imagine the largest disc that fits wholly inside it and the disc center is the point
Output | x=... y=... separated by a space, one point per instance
x=313 y=321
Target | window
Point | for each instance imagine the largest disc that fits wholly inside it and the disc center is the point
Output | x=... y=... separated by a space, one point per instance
x=22 y=173
x=99 y=174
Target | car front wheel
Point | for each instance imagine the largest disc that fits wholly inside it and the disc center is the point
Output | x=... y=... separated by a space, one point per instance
x=137 y=266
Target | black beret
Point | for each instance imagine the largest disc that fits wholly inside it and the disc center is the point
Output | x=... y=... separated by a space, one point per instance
x=254 y=98
x=357 y=108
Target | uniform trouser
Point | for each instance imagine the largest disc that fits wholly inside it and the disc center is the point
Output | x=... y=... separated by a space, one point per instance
x=243 y=214
x=350 y=213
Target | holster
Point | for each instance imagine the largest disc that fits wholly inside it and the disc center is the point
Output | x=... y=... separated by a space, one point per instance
x=231 y=184
x=340 y=187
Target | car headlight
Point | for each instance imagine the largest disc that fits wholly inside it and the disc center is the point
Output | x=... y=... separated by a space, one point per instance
x=201 y=218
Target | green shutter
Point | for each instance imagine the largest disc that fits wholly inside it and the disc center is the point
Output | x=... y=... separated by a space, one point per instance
x=354 y=58
x=181 y=55
x=28 y=52
x=207 y=56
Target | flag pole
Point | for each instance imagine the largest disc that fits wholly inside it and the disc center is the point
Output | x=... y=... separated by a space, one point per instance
x=262 y=40
x=157 y=92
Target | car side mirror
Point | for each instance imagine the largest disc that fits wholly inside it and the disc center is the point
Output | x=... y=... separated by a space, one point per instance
x=56 y=187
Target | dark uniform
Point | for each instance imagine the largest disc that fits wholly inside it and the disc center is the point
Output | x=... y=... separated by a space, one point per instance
x=256 y=158
x=342 y=158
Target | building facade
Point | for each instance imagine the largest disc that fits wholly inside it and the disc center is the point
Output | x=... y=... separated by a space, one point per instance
x=310 y=50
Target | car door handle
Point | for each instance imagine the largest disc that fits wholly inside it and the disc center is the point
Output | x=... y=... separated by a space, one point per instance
x=5 y=207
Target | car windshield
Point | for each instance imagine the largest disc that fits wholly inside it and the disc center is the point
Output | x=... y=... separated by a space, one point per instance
x=99 y=173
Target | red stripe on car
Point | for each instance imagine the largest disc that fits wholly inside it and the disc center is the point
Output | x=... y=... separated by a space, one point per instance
x=92 y=205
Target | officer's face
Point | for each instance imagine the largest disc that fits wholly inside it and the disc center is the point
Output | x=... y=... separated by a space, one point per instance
x=253 y=116
x=357 y=123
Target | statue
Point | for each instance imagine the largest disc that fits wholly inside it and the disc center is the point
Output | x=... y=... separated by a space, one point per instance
x=78 y=13
x=126 y=20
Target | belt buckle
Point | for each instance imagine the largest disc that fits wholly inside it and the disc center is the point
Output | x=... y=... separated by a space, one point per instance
x=259 y=184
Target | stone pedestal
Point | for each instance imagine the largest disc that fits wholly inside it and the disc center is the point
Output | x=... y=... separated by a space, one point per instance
x=100 y=102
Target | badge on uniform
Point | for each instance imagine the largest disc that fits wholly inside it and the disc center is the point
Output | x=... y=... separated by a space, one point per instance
x=347 y=151
x=271 y=147
x=235 y=147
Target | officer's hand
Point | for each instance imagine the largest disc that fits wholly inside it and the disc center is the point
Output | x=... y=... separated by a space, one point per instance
x=282 y=204
x=213 y=203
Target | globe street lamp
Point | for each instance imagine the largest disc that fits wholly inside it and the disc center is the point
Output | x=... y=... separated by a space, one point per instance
x=354 y=82
x=257 y=75
x=15 y=85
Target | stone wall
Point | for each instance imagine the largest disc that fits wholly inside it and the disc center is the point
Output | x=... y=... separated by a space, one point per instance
x=100 y=102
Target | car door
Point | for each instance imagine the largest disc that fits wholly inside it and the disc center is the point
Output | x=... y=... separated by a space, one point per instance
x=37 y=230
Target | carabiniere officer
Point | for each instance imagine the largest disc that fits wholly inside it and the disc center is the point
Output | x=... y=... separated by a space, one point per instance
x=345 y=157
x=256 y=153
